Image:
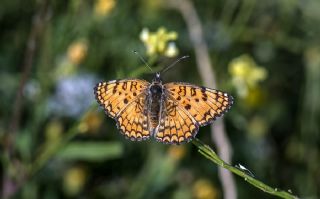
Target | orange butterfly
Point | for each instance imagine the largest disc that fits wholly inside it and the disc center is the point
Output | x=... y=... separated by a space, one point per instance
x=171 y=113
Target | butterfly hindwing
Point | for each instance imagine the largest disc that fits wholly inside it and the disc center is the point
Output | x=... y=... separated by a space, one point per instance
x=176 y=125
x=202 y=103
x=133 y=120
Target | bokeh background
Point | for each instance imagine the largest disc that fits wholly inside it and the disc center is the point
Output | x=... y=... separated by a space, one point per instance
x=55 y=142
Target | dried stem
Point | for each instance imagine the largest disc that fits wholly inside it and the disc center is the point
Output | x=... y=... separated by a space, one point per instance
x=10 y=186
x=38 y=22
x=207 y=74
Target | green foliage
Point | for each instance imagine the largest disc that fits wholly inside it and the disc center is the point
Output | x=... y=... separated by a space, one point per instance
x=56 y=143
x=90 y=151
x=246 y=174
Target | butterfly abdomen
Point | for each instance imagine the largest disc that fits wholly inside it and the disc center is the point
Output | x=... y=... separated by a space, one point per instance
x=155 y=94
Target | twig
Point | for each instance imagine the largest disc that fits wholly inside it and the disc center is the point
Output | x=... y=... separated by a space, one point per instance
x=9 y=187
x=207 y=74
x=49 y=151
x=38 y=22
x=207 y=152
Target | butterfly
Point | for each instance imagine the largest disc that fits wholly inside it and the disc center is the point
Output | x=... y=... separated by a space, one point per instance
x=171 y=113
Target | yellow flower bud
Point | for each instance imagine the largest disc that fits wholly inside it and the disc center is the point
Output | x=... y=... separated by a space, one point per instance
x=171 y=50
x=53 y=131
x=159 y=42
x=74 y=180
x=103 y=7
x=91 y=122
x=177 y=152
x=144 y=35
x=246 y=74
x=77 y=51
x=204 y=189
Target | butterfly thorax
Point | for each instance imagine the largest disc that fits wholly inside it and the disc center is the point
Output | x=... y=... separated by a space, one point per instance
x=155 y=96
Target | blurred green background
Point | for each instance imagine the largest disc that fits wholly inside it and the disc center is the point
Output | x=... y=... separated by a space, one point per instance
x=56 y=143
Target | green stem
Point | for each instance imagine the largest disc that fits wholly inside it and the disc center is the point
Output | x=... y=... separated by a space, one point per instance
x=50 y=151
x=240 y=22
x=207 y=152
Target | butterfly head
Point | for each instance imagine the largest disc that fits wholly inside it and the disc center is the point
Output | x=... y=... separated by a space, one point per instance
x=157 y=78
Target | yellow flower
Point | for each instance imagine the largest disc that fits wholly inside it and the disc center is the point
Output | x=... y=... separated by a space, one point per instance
x=246 y=74
x=255 y=97
x=151 y=7
x=177 y=152
x=74 y=180
x=257 y=127
x=53 y=131
x=171 y=50
x=204 y=189
x=103 y=7
x=90 y=122
x=77 y=51
x=160 y=42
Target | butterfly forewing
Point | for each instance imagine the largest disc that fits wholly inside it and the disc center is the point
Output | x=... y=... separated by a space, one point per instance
x=115 y=95
x=203 y=104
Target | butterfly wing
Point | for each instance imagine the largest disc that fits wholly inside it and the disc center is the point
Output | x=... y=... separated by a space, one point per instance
x=187 y=107
x=203 y=104
x=176 y=125
x=124 y=100
x=133 y=120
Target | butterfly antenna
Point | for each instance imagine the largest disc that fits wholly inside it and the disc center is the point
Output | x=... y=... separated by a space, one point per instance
x=174 y=63
x=144 y=61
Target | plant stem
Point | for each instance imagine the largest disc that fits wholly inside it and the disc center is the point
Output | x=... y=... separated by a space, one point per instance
x=207 y=73
x=207 y=152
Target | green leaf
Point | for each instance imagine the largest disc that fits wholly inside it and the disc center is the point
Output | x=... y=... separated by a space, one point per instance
x=91 y=151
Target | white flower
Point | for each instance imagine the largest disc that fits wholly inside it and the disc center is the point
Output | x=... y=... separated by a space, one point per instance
x=171 y=50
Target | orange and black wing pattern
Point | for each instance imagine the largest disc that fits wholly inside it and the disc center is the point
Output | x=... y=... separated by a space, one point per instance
x=133 y=120
x=176 y=126
x=124 y=100
x=186 y=108
x=203 y=104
